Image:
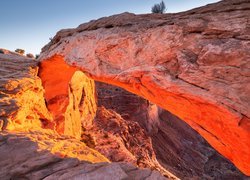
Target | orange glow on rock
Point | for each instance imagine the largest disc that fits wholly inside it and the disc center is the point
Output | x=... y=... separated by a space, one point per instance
x=22 y=104
x=47 y=144
x=56 y=75
x=224 y=129
x=70 y=96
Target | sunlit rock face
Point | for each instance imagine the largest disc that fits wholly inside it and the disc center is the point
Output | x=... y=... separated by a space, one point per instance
x=194 y=64
x=65 y=103
x=70 y=97
x=29 y=150
x=42 y=154
x=22 y=105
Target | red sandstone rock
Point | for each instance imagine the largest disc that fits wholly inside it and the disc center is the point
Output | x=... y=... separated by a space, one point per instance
x=178 y=148
x=194 y=64
x=27 y=151
x=129 y=106
x=70 y=106
x=42 y=154
x=122 y=141
x=70 y=97
x=22 y=105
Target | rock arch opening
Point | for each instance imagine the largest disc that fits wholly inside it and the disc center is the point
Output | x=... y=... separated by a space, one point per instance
x=177 y=147
x=70 y=97
x=180 y=62
x=202 y=116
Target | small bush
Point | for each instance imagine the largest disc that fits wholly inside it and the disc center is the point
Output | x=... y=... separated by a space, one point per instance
x=20 y=51
x=159 y=8
x=29 y=55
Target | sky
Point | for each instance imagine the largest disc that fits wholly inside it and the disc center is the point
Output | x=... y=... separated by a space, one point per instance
x=29 y=24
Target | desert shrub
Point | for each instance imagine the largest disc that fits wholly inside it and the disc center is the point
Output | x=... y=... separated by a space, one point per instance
x=20 y=51
x=37 y=56
x=29 y=55
x=159 y=8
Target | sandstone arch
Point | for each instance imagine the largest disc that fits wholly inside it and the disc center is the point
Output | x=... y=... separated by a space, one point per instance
x=194 y=64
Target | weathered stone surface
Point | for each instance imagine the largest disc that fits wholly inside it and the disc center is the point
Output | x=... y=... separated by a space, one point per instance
x=82 y=104
x=42 y=154
x=22 y=104
x=194 y=64
x=30 y=152
x=70 y=97
x=179 y=148
x=128 y=105
x=122 y=141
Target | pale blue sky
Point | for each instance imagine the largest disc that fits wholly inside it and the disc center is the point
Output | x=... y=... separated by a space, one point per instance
x=28 y=24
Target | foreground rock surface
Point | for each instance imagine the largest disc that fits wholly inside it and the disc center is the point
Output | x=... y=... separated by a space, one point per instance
x=46 y=155
x=194 y=64
x=22 y=104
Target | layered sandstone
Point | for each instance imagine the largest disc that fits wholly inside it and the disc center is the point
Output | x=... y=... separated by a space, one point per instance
x=42 y=154
x=22 y=104
x=178 y=148
x=122 y=141
x=129 y=106
x=70 y=97
x=30 y=145
x=194 y=64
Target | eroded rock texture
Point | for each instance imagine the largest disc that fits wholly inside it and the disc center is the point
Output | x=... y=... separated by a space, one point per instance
x=194 y=64
x=45 y=155
x=22 y=105
x=29 y=150
x=66 y=109
x=122 y=141
x=70 y=97
x=129 y=106
x=178 y=148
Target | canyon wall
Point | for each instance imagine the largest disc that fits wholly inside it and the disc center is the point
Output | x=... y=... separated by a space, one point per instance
x=194 y=64
x=178 y=148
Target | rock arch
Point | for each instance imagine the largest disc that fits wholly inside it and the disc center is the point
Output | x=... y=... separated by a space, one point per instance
x=195 y=64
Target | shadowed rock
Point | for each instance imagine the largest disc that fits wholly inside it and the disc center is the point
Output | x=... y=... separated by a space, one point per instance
x=45 y=155
x=178 y=148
